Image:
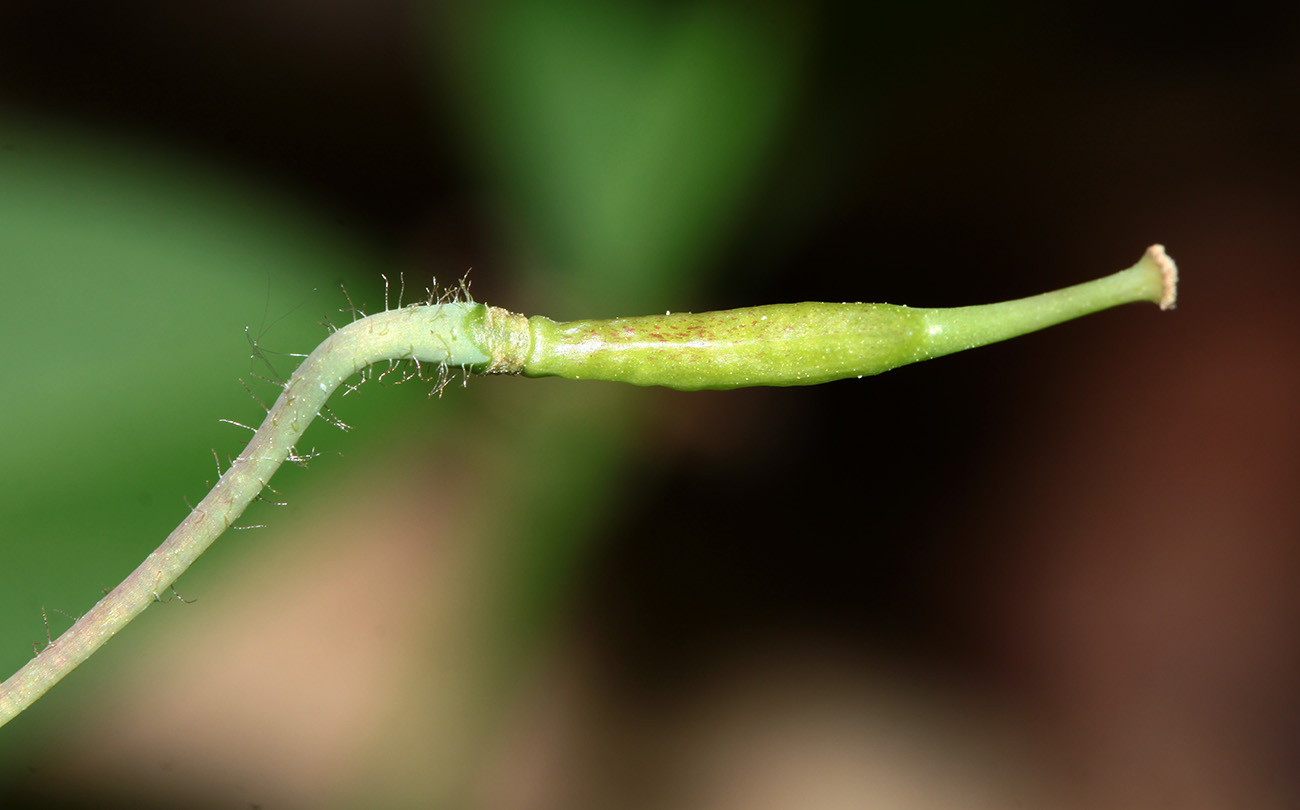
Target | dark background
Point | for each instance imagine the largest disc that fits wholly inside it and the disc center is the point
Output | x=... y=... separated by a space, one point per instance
x=1089 y=533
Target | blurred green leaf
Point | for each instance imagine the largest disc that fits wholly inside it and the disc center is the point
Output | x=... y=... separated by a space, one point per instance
x=130 y=274
x=624 y=137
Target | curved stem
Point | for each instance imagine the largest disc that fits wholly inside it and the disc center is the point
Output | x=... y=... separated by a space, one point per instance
x=788 y=344
x=436 y=334
x=1154 y=278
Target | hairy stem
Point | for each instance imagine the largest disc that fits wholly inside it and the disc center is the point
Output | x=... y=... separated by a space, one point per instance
x=788 y=344
x=428 y=334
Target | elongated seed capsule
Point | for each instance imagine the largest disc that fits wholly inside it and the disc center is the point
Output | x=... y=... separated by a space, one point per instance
x=801 y=344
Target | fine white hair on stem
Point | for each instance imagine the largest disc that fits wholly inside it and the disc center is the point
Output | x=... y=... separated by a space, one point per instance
x=437 y=334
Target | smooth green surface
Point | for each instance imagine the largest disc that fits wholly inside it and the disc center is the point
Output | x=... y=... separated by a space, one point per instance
x=956 y=329
x=780 y=344
x=811 y=343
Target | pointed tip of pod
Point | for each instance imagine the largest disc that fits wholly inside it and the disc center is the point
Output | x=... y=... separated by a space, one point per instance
x=1168 y=274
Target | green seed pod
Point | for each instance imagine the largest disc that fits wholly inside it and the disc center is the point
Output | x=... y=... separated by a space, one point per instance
x=782 y=344
x=808 y=343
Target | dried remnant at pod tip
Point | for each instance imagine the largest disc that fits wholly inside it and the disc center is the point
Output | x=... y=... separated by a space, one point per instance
x=785 y=344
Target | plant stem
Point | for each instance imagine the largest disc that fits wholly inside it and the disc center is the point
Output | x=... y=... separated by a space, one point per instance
x=789 y=344
x=1154 y=278
x=428 y=334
